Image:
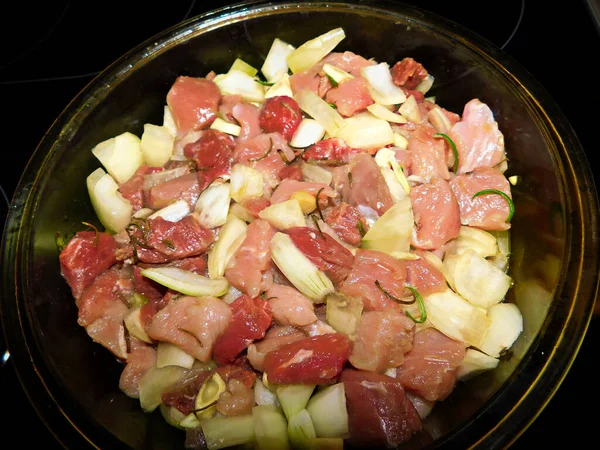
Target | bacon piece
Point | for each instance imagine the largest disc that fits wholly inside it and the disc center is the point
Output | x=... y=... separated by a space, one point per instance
x=488 y=212
x=86 y=256
x=478 y=140
x=382 y=339
x=408 y=73
x=192 y=323
x=247 y=270
x=194 y=103
x=429 y=369
x=436 y=214
x=372 y=266
x=344 y=219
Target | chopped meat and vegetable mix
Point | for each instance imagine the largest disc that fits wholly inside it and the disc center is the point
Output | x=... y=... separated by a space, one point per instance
x=309 y=255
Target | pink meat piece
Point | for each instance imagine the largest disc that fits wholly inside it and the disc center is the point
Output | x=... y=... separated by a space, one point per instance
x=350 y=97
x=133 y=189
x=429 y=369
x=287 y=187
x=372 y=266
x=368 y=187
x=212 y=154
x=85 y=257
x=194 y=103
x=248 y=269
x=408 y=73
x=423 y=276
x=478 y=140
x=382 y=339
x=289 y=306
x=347 y=61
x=192 y=323
x=226 y=106
x=185 y=187
x=344 y=220
x=247 y=114
x=139 y=361
x=488 y=212
x=436 y=213
x=275 y=338
x=428 y=155
x=330 y=152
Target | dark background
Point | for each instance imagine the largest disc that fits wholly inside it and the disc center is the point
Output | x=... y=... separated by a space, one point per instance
x=51 y=50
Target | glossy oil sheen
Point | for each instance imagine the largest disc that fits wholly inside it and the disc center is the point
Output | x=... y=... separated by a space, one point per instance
x=73 y=382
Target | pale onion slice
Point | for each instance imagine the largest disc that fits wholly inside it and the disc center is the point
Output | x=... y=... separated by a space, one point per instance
x=306 y=200
x=478 y=280
x=168 y=354
x=113 y=210
x=121 y=156
x=365 y=131
x=386 y=158
x=156 y=381
x=338 y=75
x=143 y=213
x=187 y=282
x=263 y=395
x=482 y=242
x=423 y=407
x=226 y=127
x=438 y=119
x=239 y=83
x=382 y=88
x=320 y=110
x=309 y=132
x=284 y=215
x=382 y=112
x=173 y=212
x=314 y=173
x=506 y=324
x=157 y=145
x=246 y=183
x=134 y=325
x=281 y=87
x=270 y=428
x=475 y=363
x=169 y=121
x=231 y=236
x=275 y=66
x=243 y=66
x=392 y=232
x=212 y=206
x=426 y=84
x=241 y=212
x=400 y=141
x=457 y=318
x=410 y=110
x=327 y=409
x=313 y=50
x=298 y=269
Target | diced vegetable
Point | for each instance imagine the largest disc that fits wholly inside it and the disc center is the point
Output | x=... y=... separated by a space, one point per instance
x=168 y=354
x=241 y=212
x=227 y=431
x=212 y=206
x=281 y=87
x=243 y=66
x=157 y=145
x=410 y=109
x=382 y=88
x=275 y=66
x=301 y=430
x=392 y=231
x=426 y=84
x=172 y=415
x=231 y=236
x=187 y=282
x=293 y=398
x=480 y=241
x=386 y=158
x=270 y=428
x=240 y=83
x=343 y=314
x=327 y=409
x=474 y=363
x=457 y=318
x=338 y=75
x=169 y=121
x=312 y=51
x=400 y=141
x=501 y=259
x=246 y=183
x=301 y=272
x=134 y=325
x=438 y=119
x=306 y=200
x=478 y=280
x=190 y=421
x=209 y=392
x=314 y=173
x=284 y=215
x=226 y=127
x=308 y=133
x=113 y=210
x=121 y=156
x=319 y=109
x=156 y=381
x=264 y=395
x=173 y=212
x=381 y=112
x=506 y=324
x=364 y=130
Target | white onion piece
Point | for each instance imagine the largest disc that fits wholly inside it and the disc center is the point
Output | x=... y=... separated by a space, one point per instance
x=365 y=131
x=173 y=212
x=275 y=66
x=319 y=109
x=313 y=50
x=382 y=88
x=309 y=132
x=506 y=324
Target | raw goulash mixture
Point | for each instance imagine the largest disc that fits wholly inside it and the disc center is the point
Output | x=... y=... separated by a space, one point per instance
x=309 y=255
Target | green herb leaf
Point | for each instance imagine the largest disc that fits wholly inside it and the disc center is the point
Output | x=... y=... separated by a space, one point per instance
x=317 y=204
x=361 y=228
x=511 y=205
x=453 y=146
x=422 y=310
x=265 y=83
x=390 y=296
x=316 y=222
x=332 y=81
x=96 y=230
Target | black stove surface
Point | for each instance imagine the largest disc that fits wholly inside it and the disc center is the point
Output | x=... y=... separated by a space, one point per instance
x=62 y=45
